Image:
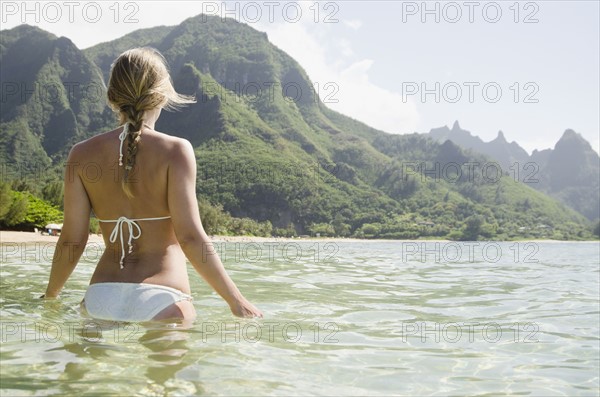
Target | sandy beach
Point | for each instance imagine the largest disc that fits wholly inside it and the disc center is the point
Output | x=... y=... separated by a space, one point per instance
x=11 y=236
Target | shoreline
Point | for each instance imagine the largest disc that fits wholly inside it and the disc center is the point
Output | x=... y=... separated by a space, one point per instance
x=12 y=237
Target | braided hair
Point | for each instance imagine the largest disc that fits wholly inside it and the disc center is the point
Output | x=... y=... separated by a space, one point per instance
x=135 y=121
x=139 y=82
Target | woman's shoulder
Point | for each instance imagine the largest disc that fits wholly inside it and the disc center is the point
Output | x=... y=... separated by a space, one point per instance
x=93 y=143
x=168 y=142
x=167 y=138
x=178 y=151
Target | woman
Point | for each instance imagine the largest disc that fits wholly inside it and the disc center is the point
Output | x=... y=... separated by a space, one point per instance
x=141 y=184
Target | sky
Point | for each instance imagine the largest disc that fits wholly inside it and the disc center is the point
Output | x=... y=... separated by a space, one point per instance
x=529 y=68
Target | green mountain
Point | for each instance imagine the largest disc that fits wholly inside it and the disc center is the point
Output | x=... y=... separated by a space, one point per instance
x=506 y=154
x=570 y=172
x=52 y=96
x=280 y=155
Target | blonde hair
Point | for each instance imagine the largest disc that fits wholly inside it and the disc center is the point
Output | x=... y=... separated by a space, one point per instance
x=140 y=81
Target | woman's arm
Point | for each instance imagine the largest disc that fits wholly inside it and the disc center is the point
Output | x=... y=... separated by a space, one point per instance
x=75 y=231
x=183 y=206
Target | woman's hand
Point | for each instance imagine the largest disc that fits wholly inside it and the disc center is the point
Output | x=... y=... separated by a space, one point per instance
x=243 y=308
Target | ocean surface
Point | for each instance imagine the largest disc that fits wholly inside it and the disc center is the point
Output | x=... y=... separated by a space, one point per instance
x=341 y=318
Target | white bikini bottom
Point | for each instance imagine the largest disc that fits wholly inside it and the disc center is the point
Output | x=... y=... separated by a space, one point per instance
x=129 y=301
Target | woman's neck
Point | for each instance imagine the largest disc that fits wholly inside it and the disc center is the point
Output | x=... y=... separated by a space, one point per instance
x=150 y=117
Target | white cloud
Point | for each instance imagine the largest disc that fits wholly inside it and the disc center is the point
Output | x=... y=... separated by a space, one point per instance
x=353 y=23
x=374 y=105
x=345 y=47
x=323 y=58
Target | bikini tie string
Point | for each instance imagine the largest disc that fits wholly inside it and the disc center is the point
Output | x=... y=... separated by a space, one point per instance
x=117 y=231
x=122 y=137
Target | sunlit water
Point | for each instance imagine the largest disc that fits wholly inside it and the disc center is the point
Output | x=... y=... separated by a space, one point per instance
x=347 y=318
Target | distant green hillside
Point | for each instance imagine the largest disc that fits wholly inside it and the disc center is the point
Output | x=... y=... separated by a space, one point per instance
x=570 y=172
x=290 y=160
x=53 y=96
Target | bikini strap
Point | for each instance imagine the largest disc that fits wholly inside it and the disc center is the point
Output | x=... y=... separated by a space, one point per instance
x=118 y=232
x=122 y=137
x=151 y=219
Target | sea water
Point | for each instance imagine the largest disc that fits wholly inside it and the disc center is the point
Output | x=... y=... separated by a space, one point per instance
x=340 y=318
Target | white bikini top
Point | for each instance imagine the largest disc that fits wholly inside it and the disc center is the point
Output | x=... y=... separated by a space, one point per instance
x=123 y=220
x=118 y=231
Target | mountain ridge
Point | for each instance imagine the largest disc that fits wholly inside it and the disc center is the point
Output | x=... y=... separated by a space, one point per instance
x=568 y=172
x=286 y=160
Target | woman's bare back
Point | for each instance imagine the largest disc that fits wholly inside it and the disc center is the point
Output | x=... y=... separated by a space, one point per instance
x=156 y=256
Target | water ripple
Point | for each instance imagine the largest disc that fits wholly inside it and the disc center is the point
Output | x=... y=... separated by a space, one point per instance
x=369 y=320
